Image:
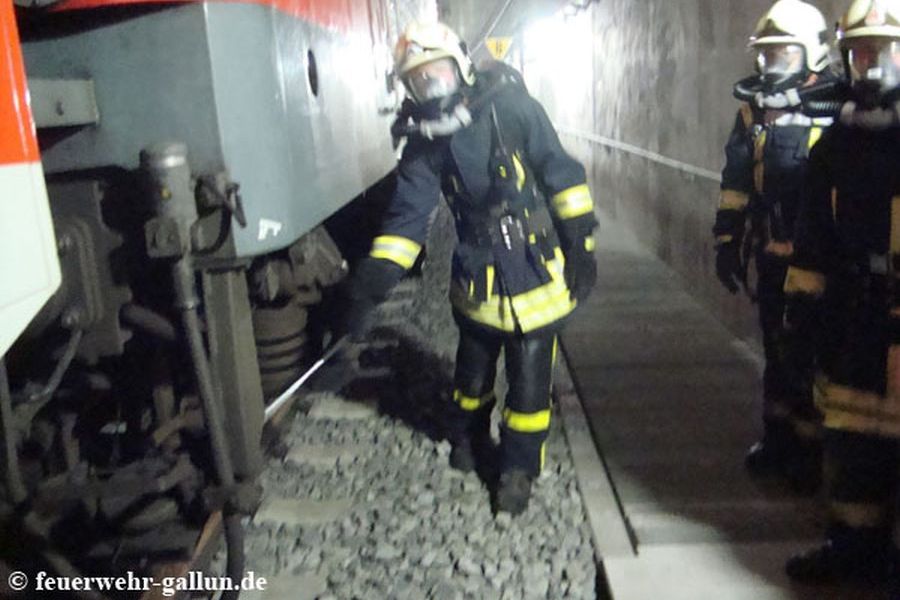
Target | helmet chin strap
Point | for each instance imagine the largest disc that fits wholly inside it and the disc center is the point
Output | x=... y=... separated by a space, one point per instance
x=873 y=119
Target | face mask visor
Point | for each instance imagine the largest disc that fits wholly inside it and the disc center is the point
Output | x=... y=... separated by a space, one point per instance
x=781 y=65
x=432 y=80
x=873 y=63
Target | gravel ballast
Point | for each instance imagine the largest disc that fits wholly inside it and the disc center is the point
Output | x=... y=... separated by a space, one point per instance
x=398 y=522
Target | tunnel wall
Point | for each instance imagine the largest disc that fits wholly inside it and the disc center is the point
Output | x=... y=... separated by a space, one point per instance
x=655 y=75
x=663 y=72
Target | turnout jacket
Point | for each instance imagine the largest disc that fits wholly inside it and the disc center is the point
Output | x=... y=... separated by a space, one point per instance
x=845 y=268
x=766 y=161
x=507 y=269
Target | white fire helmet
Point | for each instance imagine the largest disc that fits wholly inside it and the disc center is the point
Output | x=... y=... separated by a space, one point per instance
x=431 y=61
x=869 y=35
x=791 y=41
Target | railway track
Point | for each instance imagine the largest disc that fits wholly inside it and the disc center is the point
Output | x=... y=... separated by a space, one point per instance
x=359 y=501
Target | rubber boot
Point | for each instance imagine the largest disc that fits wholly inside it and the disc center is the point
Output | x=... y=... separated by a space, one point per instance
x=513 y=492
x=473 y=443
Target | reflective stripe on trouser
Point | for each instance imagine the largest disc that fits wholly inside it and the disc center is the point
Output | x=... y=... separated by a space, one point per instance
x=784 y=399
x=861 y=479
x=526 y=416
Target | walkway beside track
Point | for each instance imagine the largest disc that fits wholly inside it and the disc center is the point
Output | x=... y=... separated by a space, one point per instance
x=673 y=402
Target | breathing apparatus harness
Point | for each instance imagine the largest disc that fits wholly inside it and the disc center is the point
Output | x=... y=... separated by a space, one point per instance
x=451 y=114
x=825 y=99
x=820 y=100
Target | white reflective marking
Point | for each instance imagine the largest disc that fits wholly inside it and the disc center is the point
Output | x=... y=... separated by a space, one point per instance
x=114 y=428
x=875 y=74
x=269 y=227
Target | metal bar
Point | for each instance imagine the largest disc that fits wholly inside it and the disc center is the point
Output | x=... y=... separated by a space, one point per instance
x=11 y=470
x=286 y=395
x=646 y=154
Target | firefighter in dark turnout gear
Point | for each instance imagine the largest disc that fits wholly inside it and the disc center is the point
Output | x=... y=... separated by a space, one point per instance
x=525 y=258
x=766 y=160
x=843 y=306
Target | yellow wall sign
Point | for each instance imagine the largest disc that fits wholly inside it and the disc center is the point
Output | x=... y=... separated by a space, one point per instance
x=498 y=46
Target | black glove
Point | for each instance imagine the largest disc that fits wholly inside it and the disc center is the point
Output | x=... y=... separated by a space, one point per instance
x=366 y=288
x=576 y=239
x=728 y=265
x=580 y=270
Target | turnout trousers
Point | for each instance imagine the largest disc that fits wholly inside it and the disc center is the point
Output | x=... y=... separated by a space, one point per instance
x=526 y=415
x=788 y=407
x=861 y=477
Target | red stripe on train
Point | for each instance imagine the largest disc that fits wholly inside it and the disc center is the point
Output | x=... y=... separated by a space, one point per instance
x=17 y=142
x=332 y=14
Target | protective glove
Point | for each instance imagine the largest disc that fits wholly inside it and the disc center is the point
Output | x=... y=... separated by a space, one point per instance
x=577 y=241
x=581 y=269
x=366 y=288
x=728 y=265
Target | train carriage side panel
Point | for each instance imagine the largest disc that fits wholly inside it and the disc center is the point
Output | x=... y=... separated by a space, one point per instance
x=29 y=266
x=152 y=80
x=301 y=131
x=232 y=80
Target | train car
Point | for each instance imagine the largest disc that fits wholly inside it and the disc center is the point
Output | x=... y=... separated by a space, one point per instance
x=27 y=245
x=192 y=151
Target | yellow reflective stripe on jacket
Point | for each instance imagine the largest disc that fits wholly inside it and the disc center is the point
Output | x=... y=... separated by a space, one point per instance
x=747 y=115
x=520 y=171
x=395 y=248
x=573 y=202
x=733 y=200
x=471 y=403
x=857 y=514
x=850 y=409
x=759 y=147
x=724 y=239
x=895 y=226
x=759 y=167
x=802 y=281
x=489 y=277
x=589 y=243
x=815 y=134
x=527 y=422
x=527 y=311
